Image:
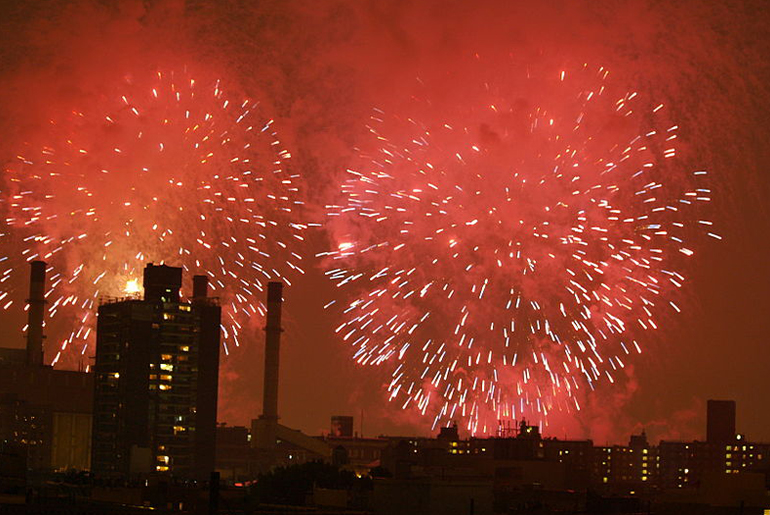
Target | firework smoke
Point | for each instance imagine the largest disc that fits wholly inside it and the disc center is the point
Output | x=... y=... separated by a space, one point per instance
x=507 y=254
x=163 y=168
x=321 y=67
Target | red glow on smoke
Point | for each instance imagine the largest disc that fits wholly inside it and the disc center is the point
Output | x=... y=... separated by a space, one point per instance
x=508 y=250
x=166 y=167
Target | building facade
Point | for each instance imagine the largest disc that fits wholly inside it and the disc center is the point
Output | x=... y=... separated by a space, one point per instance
x=45 y=412
x=720 y=421
x=156 y=381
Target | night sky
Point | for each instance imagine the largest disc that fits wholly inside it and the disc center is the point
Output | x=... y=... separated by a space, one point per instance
x=319 y=68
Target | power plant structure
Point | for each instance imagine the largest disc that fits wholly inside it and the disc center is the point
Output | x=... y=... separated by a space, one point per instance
x=266 y=429
x=45 y=414
x=36 y=313
x=275 y=443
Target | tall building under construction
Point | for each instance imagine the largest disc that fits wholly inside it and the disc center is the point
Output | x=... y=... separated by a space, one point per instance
x=156 y=375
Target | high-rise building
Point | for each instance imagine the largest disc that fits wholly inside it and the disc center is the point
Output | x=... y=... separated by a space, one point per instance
x=156 y=380
x=720 y=421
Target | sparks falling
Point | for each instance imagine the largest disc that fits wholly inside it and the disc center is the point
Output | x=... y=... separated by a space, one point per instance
x=508 y=254
x=166 y=169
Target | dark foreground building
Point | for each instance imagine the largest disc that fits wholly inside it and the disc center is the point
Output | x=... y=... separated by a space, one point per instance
x=720 y=422
x=45 y=414
x=156 y=375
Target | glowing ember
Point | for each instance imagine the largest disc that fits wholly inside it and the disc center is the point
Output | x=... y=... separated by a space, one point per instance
x=132 y=287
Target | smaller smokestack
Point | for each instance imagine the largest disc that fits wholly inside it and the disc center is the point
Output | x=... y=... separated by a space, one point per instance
x=36 y=313
x=200 y=287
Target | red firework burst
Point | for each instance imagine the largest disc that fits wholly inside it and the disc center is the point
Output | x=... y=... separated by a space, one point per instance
x=505 y=253
x=165 y=169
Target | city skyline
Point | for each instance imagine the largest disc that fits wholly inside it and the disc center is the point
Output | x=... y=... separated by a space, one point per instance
x=713 y=349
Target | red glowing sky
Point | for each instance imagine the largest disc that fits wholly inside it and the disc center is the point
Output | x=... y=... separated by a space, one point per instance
x=320 y=67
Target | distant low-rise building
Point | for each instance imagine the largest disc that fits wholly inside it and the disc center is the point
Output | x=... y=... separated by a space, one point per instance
x=235 y=458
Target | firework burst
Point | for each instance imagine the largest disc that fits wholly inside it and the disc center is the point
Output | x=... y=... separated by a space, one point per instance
x=165 y=169
x=504 y=255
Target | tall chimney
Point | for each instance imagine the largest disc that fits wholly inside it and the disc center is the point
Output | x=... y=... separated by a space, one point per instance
x=265 y=428
x=200 y=287
x=272 y=350
x=36 y=313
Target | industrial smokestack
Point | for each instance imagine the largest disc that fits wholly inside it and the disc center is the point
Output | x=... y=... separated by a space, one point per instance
x=265 y=428
x=36 y=313
x=272 y=350
x=200 y=287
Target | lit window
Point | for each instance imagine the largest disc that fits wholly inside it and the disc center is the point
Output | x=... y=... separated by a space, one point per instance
x=164 y=386
x=166 y=357
x=166 y=377
x=184 y=308
x=166 y=366
x=184 y=348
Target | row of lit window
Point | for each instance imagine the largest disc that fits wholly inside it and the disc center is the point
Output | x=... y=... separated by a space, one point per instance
x=163 y=387
x=163 y=461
